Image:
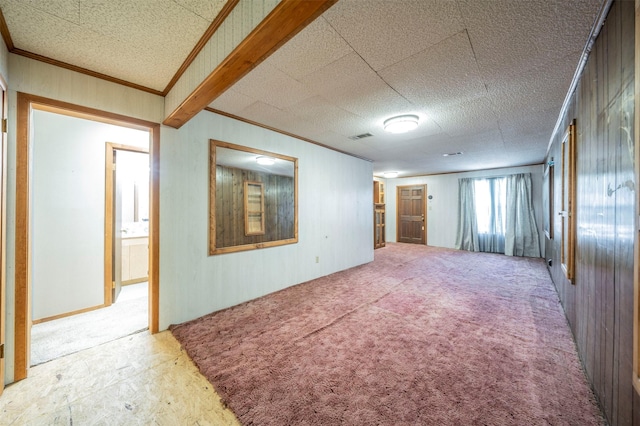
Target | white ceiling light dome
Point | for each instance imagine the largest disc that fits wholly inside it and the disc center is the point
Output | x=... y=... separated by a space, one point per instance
x=391 y=175
x=266 y=161
x=401 y=123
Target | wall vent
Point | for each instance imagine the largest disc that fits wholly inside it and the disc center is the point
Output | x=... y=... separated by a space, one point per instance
x=362 y=136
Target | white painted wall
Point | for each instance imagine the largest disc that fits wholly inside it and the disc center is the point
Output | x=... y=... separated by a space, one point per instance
x=335 y=220
x=67 y=202
x=4 y=62
x=442 y=210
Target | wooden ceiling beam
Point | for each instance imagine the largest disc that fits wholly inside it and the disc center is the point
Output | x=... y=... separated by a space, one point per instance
x=287 y=19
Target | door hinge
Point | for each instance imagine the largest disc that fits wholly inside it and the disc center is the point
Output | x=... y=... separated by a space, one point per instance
x=2 y=351
x=113 y=284
x=5 y=125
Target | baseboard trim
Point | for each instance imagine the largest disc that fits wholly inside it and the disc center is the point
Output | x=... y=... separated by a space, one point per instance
x=67 y=314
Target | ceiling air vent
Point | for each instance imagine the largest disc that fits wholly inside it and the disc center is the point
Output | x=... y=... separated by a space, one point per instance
x=362 y=136
x=451 y=154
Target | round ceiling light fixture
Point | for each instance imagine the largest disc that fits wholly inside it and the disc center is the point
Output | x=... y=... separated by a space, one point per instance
x=401 y=123
x=266 y=161
x=391 y=175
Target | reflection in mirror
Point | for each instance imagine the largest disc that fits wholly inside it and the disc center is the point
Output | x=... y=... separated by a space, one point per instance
x=133 y=171
x=252 y=198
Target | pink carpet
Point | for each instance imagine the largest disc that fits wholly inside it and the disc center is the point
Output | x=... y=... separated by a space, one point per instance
x=420 y=336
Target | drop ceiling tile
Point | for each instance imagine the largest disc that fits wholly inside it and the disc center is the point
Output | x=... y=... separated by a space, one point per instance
x=330 y=116
x=131 y=46
x=145 y=24
x=368 y=96
x=69 y=10
x=386 y=32
x=272 y=86
x=317 y=46
x=342 y=72
x=232 y=101
x=442 y=75
x=470 y=117
x=206 y=9
x=267 y=115
x=534 y=90
x=533 y=129
x=529 y=33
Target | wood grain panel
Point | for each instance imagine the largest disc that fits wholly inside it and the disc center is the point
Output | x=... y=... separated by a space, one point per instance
x=599 y=307
x=230 y=215
x=22 y=252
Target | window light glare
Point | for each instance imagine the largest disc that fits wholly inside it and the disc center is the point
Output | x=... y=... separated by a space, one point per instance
x=391 y=174
x=401 y=123
x=266 y=161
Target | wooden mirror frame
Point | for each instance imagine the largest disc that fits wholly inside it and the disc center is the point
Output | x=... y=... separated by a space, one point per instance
x=213 y=249
x=567 y=213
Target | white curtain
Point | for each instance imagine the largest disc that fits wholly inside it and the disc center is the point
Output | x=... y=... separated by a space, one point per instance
x=506 y=216
x=490 y=213
x=467 y=237
x=522 y=237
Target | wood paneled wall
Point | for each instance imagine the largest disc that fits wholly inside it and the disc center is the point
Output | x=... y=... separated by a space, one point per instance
x=278 y=207
x=599 y=307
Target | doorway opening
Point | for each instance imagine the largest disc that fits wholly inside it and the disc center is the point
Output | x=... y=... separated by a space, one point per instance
x=30 y=224
x=73 y=306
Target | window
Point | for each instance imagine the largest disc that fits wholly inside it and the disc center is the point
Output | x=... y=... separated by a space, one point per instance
x=487 y=222
x=490 y=202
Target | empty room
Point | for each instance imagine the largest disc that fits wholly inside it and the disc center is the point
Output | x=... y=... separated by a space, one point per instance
x=357 y=212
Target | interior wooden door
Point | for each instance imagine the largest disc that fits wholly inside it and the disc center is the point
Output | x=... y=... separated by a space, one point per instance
x=117 y=230
x=411 y=208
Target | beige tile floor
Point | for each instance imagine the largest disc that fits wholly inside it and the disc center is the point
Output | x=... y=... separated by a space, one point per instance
x=141 y=379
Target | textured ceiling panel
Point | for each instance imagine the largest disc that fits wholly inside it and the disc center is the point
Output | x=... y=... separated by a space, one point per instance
x=69 y=10
x=294 y=59
x=272 y=86
x=442 y=75
x=384 y=32
x=535 y=89
x=133 y=41
x=471 y=117
x=206 y=9
x=232 y=102
x=331 y=117
x=529 y=34
x=343 y=72
x=369 y=96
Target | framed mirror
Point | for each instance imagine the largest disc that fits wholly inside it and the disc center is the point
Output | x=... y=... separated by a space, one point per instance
x=252 y=198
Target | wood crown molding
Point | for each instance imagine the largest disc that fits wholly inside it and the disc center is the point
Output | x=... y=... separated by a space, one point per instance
x=84 y=71
x=6 y=35
x=287 y=19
